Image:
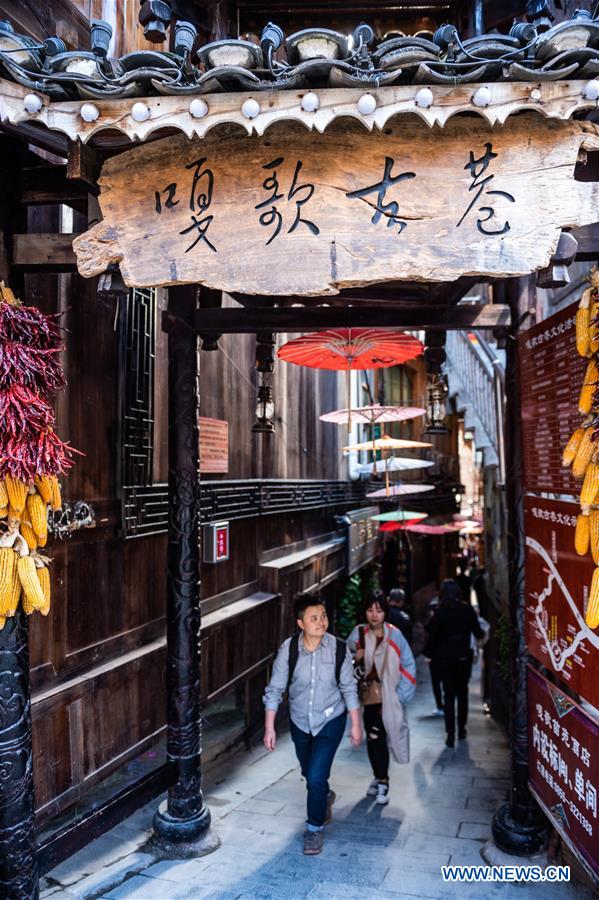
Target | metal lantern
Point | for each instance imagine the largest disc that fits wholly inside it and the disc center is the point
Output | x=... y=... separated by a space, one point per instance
x=265 y=411
x=436 y=407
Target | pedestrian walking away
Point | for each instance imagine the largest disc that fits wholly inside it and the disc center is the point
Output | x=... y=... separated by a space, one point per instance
x=398 y=614
x=387 y=684
x=450 y=632
x=434 y=669
x=316 y=670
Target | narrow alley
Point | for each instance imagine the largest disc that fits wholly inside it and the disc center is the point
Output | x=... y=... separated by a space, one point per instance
x=440 y=813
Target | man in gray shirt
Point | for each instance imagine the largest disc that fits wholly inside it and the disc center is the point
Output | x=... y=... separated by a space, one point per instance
x=318 y=707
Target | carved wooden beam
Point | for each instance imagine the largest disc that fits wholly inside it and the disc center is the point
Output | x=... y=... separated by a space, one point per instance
x=411 y=316
x=552 y=100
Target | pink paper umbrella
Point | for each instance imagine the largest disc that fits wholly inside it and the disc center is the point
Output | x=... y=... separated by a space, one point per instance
x=372 y=415
x=398 y=490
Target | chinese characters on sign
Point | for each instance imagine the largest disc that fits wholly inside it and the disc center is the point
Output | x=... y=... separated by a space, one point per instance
x=200 y=199
x=553 y=372
x=477 y=168
x=305 y=213
x=302 y=191
x=390 y=209
x=556 y=584
x=214 y=446
x=563 y=768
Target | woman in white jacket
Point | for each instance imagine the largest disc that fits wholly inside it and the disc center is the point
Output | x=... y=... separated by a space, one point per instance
x=388 y=682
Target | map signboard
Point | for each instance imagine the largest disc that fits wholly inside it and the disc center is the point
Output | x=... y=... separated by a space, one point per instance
x=557 y=588
x=552 y=372
x=563 y=766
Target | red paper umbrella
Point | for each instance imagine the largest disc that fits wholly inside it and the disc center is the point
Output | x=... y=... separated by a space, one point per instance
x=351 y=348
x=397 y=526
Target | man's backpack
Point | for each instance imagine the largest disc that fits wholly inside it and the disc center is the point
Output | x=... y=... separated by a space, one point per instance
x=340 y=651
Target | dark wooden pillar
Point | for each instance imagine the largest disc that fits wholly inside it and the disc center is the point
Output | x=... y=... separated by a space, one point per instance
x=18 y=863
x=518 y=827
x=183 y=819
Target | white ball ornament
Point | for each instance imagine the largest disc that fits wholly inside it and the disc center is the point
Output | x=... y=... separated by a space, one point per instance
x=250 y=108
x=140 y=112
x=482 y=97
x=590 y=90
x=366 y=104
x=424 y=98
x=198 y=108
x=310 y=102
x=32 y=103
x=89 y=112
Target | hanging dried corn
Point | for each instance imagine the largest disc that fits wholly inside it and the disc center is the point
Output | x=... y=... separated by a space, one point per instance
x=32 y=456
x=582 y=449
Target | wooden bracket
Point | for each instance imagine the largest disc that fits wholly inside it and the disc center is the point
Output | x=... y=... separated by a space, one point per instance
x=83 y=166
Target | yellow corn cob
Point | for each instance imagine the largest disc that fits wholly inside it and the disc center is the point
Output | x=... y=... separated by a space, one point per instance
x=590 y=485
x=2 y=622
x=582 y=535
x=13 y=514
x=38 y=516
x=44 y=576
x=3 y=512
x=43 y=484
x=572 y=446
x=584 y=454
x=33 y=595
x=592 y=613
x=583 y=336
x=29 y=534
x=56 y=501
x=3 y=493
x=17 y=493
x=594 y=535
x=8 y=572
x=589 y=386
x=593 y=330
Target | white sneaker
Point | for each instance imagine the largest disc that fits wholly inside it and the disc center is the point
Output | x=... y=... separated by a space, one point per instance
x=382 y=793
x=372 y=788
x=437 y=712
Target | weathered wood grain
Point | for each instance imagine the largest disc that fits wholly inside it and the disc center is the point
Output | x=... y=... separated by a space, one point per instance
x=517 y=180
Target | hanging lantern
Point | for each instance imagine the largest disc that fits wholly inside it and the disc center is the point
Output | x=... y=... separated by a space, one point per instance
x=265 y=411
x=436 y=407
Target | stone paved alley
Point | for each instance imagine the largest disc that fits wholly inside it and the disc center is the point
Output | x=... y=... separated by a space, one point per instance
x=440 y=812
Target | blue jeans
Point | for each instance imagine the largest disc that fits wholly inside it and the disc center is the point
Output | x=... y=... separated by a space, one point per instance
x=315 y=754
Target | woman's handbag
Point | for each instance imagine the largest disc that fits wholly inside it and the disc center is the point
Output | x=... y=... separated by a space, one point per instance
x=370 y=692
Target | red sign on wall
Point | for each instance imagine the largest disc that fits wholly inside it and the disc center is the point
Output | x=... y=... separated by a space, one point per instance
x=563 y=766
x=551 y=374
x=557 y=589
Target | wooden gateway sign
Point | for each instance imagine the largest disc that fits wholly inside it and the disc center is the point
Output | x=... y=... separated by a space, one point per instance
x=302 y=213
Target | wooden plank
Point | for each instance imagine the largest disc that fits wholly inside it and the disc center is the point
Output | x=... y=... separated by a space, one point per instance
x=52 y=252
x=246 y=215
x=406 y=316
x=587 y=237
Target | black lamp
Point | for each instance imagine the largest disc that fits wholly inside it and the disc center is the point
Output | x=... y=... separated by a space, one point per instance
x=436 y=406
x=265 y=411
